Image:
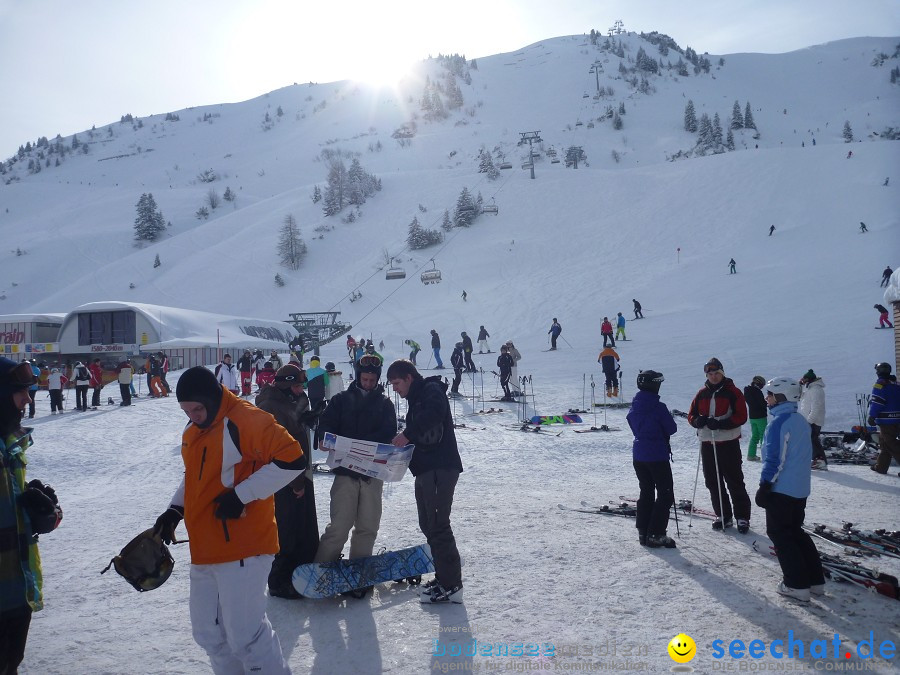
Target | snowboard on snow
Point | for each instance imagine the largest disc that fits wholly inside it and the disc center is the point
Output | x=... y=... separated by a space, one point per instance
x=326 y=580
x=556 y=419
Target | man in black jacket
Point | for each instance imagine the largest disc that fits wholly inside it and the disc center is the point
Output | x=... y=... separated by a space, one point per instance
x=436 y=466
x=436 y=349
x=467 y=352
x=758 y=413
x=457 y=360
x=505 y=363
x=365 y=413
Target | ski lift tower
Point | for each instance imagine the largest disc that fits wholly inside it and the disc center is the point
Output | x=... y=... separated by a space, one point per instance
x=596 y=69
x=318 y=328
x=530 y=137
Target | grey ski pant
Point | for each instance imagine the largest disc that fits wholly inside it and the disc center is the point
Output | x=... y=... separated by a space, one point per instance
x=434 y=499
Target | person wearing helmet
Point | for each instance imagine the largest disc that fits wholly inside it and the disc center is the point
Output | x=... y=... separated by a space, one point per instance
x=295 y=503
x=652 y=424
x=362 y=412
x=812 y=407
x=467 y=352
x=758 y=413
x=235 y=459
x=784 y=486
x=483 y=336
x=458 y=361
x=884 y=411
x=505 y=364
x=24 y=508
x=717 y=413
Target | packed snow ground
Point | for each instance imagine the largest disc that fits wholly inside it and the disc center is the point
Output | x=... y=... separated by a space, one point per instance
x=576 y=245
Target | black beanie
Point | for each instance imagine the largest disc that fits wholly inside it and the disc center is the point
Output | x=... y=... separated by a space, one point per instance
x=199 y=385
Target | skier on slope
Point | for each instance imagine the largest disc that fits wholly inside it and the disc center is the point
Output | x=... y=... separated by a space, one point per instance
x=652 y=424
x=414 y=349
x=483 y=335
x=620 y=327
x=784 y=486
x=505 y=363
x=458 y=361
x=554 y=332
x=609 y=363
x=732 y=266
x=606 y=330
x=638 y=314
x=717 y=413
x=886 y=276
x=467 y=351
x=883 y=319
x=812 y=407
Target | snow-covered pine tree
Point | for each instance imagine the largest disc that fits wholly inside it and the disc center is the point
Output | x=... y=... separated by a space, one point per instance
x=617 y=122
x=717 y=133
x=279 y=281
x=149 y=223
x=729 y=140
x=291 y=247
x=229 y=195
x=704 y=133
x=156 y=262
x=737 y=119
x=316 y=195
x=465 y=209
x=748 y=118
x=335 y=191
x=690 y=117
x=415 y=237
x=847 y=134
x=446 y=223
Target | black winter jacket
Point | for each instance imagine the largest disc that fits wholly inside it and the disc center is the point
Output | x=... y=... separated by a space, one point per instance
x=756 y=402
x=354 y=414
x=429 y=425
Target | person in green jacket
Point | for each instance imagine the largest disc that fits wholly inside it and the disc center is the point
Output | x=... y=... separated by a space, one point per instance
x=414 y=349
x=24 y=512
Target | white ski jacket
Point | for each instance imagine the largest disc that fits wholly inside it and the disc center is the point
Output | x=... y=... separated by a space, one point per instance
x=812 y=402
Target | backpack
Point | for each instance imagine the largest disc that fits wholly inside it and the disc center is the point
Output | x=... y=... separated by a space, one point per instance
x=145 y=562
x=83 y=373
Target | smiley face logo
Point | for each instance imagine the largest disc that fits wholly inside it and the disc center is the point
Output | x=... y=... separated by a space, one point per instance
x=682 y=648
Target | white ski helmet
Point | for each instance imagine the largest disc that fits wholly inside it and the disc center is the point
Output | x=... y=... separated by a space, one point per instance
x=786 y=387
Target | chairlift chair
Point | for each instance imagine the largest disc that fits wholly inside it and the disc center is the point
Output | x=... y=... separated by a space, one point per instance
x=395 y=272
x=506 y=165
x=490 y=208
x=585 y=95
x=432 y=276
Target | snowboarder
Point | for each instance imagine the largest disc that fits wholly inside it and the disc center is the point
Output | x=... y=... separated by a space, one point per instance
x=652 y=424
x=295 y=503
x=483 y=335
x=620 y=327
x=884 y=411
x=606 y=330
x=758 y=413
x=717 y=412
x=771 y=230
x=555 y=330
x=638 y=314
x=883 y=318
x=236 y=459
x=849 y=154
x=732 y=266
x=414 y=349
x=862 y=227
x=464 y=296
x=436 y=466
x=609 y=363
x=783 y=489
x=457 y=360
x=812 y=407
x=886 y=276
x=505 y=363
x=436 y=349
x=467 y=352
x=365 y=413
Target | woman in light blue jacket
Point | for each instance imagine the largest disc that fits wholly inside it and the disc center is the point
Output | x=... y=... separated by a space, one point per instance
x=783 y=489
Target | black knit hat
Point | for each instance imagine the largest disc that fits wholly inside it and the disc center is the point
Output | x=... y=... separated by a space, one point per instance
x=199 y=385
x=713 y=364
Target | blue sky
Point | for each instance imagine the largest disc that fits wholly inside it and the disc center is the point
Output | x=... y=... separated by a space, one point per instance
x=66 y=65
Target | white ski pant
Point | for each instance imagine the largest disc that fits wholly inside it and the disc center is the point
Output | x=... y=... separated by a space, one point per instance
x=356 y=504
x=514 y=380
x=228 y=617
x=483 y=343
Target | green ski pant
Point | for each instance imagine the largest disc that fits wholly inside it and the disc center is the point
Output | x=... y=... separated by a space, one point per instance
x=757 y=430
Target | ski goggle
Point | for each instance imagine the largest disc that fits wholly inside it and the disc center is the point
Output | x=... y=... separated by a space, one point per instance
x=297 y=378
x=21 y=376
x=712 y=369
x=370 y=361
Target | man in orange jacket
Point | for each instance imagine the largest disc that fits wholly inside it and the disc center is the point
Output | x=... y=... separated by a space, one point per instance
x=235 y=458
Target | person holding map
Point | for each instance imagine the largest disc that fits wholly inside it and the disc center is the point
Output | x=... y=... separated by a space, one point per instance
x=362 y=412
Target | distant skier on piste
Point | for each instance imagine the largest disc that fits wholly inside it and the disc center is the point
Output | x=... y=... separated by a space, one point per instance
x=638 y=314
x=886 y=276
x=609 y=364
x=652 y=424
x=620 y=327
x=606 y=330
x=414 y=349
x=554 y=332
x=483 y=335
x=732 y=266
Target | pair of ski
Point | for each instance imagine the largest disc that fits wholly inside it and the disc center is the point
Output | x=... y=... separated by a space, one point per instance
x=840 y=570
x=623 y=509
x=602 y=427
x=859 y=543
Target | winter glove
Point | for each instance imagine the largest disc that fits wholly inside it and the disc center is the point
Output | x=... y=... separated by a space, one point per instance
x=763 y=494
x=43 y=510
x=167 y=522
x=46 y=489
x=229 y=505
x=701 y=421
x=712 y=423
x=310 y=417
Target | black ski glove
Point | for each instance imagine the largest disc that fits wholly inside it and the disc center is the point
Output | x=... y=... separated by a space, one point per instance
x=46 y=489
x=712 y=423
x=229 y=505
x=700 y=421
x=42 y=508
x=165 y=525
x=763 y=494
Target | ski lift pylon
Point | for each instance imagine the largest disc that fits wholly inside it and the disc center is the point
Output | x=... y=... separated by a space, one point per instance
x=432 y=276
x=394 y=272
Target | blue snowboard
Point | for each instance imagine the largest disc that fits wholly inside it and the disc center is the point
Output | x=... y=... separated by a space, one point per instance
x=326 y=580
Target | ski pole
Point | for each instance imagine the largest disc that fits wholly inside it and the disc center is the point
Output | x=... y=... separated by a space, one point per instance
x=429 y=360
x=482 y=387
x=674 y=502
x=566 y=341
x=696 y=477
x=583 y=383
x=593 y=404
x=718 y=477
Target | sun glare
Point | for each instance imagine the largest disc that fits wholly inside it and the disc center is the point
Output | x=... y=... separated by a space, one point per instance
x=382 y=70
